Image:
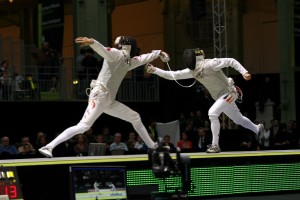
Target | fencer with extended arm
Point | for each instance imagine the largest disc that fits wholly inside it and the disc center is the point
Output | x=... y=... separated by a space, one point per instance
x=221 y=88
x=103 y=90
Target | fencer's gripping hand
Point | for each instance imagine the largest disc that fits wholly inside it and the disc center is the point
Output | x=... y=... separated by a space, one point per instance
x=84 y=41
x=247 y=76
x=150 y=68
x=164 y=56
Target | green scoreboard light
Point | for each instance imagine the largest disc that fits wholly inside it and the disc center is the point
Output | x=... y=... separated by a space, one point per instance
x=223 y=180
x=9 y=183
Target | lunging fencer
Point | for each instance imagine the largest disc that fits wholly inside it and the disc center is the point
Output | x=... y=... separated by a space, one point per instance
x=117 y=62
x=222 y=89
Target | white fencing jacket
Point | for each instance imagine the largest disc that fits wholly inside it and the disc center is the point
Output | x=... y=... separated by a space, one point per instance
x=116 y=65
x=209 y=73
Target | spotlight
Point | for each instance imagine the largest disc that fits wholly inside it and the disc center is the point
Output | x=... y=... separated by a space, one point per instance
x=75 y=82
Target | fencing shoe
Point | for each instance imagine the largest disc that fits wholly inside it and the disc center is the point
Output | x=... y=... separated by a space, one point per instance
x=213 y=149
x=260 y=134
x=155 y=146
x=46 y=151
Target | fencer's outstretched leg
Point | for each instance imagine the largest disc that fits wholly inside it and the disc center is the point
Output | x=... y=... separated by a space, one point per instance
x=142 y=131
x=65 y=135
x=93 y=111
x=123 y=112
x=239 y=119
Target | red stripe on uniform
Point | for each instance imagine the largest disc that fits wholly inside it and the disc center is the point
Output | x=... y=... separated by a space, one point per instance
x=229 y=99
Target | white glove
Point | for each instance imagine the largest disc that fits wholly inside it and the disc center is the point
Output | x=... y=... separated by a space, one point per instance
x=84 y=41
x=164 y=56
x=150 y=68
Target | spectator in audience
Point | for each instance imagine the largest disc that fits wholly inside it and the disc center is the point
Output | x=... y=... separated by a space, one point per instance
x=45 y=56
x=140 y=145
x=167 y=142
x=48 y=62
x=152 y=129
x=130 y=143
x=202 y=140
x=184 y=143
x=26 y=151
x=25 y=140
x=38 y=136
x=266 y=138
x=81 y=147
x=42 y=141
x=7 y=81
x=274 y=128
x=6 y=149
x=118 y=144
x=32 y=87
x=17 y=88
x=4 y=67
x=99 y=139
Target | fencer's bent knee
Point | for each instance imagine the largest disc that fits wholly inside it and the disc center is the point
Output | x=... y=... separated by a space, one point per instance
x=134 y=118
x=82 y=127
x=213 y=117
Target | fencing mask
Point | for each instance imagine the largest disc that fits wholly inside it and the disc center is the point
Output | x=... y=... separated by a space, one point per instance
x=128 y=44
x=192 y=56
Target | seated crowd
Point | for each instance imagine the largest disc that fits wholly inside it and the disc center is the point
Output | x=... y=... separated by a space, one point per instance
x=195 y=136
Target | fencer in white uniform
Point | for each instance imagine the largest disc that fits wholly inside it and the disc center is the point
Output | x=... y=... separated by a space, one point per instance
x=222 y=89
x=117 y=62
